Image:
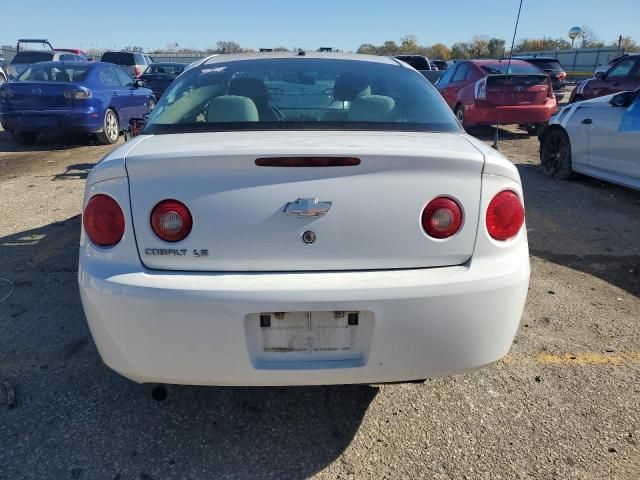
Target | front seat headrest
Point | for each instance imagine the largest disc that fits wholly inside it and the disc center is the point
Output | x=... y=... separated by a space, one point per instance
x=350 y=86
x=253 y=88
x=232 y=108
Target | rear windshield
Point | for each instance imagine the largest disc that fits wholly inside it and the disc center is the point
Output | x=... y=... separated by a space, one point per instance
x=168 y=69
x=419 y=63
x=306 y=93
x=54 y=72
x=517 y=68
x=119 y=58
x=547 y=65
x=31 y=57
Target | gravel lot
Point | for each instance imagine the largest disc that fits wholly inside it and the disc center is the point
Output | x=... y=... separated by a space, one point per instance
x=564 y=404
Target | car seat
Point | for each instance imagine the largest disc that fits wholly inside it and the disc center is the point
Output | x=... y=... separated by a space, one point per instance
x=256 y=90
x=232 y=108
x=347 y=87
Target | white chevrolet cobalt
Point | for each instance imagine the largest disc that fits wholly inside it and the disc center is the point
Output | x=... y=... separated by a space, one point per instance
x=292 y=219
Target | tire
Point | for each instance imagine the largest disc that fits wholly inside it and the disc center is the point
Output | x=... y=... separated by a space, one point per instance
x=25 y=138
x=110 y=130
x=459 y=111
x=577 y=98
x=3 y=78
x=555 y=155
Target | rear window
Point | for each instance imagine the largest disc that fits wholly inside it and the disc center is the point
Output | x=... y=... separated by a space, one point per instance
x=31 y=57
x=119 y=58
x=300 y=93
x=54 y=72
x=547 y=65
x=168 y=69
x=419 y=63
x=515 y=68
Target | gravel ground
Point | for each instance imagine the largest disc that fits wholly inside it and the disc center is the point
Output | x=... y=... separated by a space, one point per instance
x=565 y=403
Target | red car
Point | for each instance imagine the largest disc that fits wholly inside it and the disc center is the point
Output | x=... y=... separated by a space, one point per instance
x=623 y=76
x=483 y=92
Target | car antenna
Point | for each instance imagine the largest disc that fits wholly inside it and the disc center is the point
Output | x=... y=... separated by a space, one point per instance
x=504 y=88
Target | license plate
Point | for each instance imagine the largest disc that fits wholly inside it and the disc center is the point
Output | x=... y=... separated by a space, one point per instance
x=39 y=122
x=310 y=332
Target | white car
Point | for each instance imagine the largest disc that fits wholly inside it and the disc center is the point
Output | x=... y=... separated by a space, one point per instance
x=289 y=219
x=598 y=137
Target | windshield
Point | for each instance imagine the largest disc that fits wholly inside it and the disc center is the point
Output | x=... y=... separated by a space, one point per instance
x=55 y=72
x=547 y=65
x=31 y=57
x=165 y=68
x=417 y=62
x=308 y=93
x=118 y=58
x=515 y=68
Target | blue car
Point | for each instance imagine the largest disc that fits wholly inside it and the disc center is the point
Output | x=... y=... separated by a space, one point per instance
x=72 y=97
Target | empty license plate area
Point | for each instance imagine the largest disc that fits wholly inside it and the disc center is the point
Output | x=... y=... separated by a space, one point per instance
x=291 y=337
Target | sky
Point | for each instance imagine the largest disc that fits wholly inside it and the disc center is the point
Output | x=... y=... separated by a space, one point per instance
x=343 y=24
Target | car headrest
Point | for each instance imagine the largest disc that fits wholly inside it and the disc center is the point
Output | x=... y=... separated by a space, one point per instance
x=253 y=88
x=350 y=86
x=232 y=108
x=373 y=108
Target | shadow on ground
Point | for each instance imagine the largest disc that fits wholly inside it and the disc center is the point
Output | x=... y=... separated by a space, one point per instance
x=76 y=419
x=46 y=142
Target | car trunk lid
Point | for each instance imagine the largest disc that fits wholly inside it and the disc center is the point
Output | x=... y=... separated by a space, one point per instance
x=240 y=217
x=531 y=89
x=38 y=95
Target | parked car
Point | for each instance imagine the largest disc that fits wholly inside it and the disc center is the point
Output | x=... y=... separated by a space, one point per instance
x=25 y=58
x=234 y=241
x=439 y=64
x=485 y=92
x=603 y=68
x=598 y=137
x=72 y=97
x=158 y=76
x=76 y=51
x=422 y=65
x=624 y=75
x=133 y=62
x=552 y=67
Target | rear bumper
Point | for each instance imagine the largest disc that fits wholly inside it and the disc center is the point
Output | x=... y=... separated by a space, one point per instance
x=41 y=121
x=191 y=328
x=485 y=114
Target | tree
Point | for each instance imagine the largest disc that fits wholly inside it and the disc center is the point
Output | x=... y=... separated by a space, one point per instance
x=409 y=44
x=133 y=48
x=479 y=47
x=589 y=38
x=438 y=51
x=460 y=50
x=228 y=47
x=495 y=48
x=628 y=44
x=388 y=48
x=539 y=44
x=367 y=49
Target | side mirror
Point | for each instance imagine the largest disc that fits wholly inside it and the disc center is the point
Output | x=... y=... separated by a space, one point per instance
x=622 y=99
x=138 y=83
x=600 y=75
x=135 y=128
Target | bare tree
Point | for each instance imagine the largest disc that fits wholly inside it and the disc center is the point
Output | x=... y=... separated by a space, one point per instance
x=228 y=47
x=589 y=38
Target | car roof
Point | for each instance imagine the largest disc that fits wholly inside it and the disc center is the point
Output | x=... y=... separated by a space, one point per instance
x=219 y=58
x=530 y=57
x=492 y=62
x=61 y=62
x=173 y=64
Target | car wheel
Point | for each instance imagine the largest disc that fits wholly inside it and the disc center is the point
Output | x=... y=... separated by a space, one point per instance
x=25 y=138
x=555 y=155
x=459 y=111
x=2 y=78
x=577 y=98
x=152 y=105
x=111 y=129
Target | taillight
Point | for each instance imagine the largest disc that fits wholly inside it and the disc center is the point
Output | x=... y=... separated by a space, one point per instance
x=481 y=89
x=80 y=93
x=505 y=215
x=441 y=218
x=561 y=75
x=103 y=220
x=171 y=220
x=137 y=72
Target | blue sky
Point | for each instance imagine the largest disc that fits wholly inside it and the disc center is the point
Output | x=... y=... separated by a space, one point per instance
x=340 y=24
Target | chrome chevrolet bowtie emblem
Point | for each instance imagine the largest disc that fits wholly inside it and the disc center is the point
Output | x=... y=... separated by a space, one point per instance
x=307 y=207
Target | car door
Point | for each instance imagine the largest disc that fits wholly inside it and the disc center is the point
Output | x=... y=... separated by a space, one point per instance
x=623 y=76
x=119 y=94
x=452 y=90
x=138 y=98
x=614 y=139
x=443 y=82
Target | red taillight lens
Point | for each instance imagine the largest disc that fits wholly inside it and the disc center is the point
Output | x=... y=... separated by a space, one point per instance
x=103 y=220
x=561 y=75
x=136 y=72
x=505 y=215
x=441 y=218
x=171 y=220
